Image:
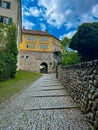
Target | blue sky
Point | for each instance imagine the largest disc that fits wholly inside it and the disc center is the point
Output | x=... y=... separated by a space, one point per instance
x=60 y=17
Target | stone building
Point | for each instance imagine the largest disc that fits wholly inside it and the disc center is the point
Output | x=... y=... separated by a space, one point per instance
x=39 y=51
x=10 y=12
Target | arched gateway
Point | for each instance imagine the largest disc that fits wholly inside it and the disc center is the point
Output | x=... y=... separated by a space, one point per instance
x=44 y=68
x=38 y=51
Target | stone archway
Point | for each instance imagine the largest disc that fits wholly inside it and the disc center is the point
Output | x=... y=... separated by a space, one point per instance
x=44 y=68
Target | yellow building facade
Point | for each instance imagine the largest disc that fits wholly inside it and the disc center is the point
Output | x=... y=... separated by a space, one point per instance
x=39 y=48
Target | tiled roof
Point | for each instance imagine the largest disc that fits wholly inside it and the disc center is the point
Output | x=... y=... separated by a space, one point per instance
x=35 y=32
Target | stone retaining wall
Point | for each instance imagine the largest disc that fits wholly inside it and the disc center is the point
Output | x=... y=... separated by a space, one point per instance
x=82 y=82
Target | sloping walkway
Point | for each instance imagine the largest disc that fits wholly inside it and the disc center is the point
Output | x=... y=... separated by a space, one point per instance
x=45 y=105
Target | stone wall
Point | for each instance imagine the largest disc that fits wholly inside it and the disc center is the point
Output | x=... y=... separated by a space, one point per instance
x=82 y=82
x=30 y=60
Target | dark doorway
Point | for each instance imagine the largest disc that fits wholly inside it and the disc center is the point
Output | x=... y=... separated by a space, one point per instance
x=44 y=68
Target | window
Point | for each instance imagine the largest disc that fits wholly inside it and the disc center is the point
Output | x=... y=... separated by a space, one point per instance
x=27 y=37
x=43 y=39
x=22 y=56
x=31 y=38
x=27 y=56
x=43 y=47
x=5 y=20
x=30 y=45
x=6 y=5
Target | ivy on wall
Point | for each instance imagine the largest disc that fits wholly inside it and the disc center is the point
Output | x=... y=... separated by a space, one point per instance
x=8 y=52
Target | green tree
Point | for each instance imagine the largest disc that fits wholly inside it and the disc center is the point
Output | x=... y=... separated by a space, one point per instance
x=12 y=50
x=85 y=41
x=8 y=52
x=68 y=58
x=3 y=36
x=64 y=43
x=71 y=58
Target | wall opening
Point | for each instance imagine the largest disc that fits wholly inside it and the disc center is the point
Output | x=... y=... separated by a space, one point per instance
x=44 y=68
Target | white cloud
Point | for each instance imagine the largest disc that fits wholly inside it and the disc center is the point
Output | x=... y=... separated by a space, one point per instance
x=68 y=25
x=43 y=27
x=59 y=12
x=32 y=11
x=69 y=35
x=52 y=15
x=87 y=18
x=27 y=24
x=69 y=13
x=95 y=10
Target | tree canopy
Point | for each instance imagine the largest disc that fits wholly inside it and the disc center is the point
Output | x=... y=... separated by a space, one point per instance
x=8 y=52
x=64 y=43
x=67 y=57
x=85 y=41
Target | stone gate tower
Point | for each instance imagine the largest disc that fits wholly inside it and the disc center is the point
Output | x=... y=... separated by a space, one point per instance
x=39 y=51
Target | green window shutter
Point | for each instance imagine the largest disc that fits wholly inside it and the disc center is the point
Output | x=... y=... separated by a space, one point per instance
x=0 y=2
x=1 y=19
x=10 y=21
x=8 y=5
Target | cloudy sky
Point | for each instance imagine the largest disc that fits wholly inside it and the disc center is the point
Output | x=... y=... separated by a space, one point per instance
x=60 y=17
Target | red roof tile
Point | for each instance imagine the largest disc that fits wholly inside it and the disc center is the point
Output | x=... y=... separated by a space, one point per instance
x=37 y=32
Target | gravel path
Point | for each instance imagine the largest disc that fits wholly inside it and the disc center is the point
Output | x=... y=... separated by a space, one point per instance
x=45 y=105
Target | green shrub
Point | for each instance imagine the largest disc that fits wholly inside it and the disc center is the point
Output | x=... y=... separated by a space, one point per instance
x=70 y=58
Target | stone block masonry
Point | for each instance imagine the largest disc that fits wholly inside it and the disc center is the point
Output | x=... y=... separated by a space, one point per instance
x=30 y=60
x=81 y=80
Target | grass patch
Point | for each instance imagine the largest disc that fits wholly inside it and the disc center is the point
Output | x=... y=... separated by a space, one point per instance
x=22 y=80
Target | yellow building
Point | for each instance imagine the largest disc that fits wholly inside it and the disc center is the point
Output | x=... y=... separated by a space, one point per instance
x=38 y=50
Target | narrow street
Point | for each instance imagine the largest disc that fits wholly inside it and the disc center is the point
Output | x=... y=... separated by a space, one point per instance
x=45 y=105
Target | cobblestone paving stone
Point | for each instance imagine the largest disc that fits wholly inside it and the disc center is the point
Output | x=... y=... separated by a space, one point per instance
x=45 y=105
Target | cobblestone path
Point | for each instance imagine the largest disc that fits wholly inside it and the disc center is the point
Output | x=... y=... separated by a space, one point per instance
x=45 y=105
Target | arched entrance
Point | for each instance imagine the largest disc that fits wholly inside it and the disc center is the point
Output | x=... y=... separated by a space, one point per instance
x=44 y=68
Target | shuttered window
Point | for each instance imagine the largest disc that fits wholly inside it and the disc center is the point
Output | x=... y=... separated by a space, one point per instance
x=6 y=20
x=6 y=5
x=0 y=2
x=10 y=21
x=1 y=19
